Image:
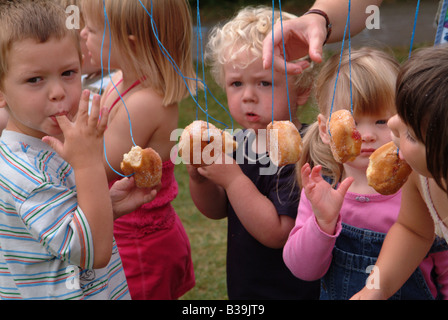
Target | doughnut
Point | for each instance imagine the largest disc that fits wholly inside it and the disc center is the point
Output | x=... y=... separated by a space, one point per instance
x=145 y=164
x=386 y=172
x=201 y=143
x=284 y=143
x=345 y=140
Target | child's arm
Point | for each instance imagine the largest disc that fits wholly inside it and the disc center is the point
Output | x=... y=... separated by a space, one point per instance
x=255 y=211
x=208 y=197
x=308 y=251
x=82 y=148
x=405 y=246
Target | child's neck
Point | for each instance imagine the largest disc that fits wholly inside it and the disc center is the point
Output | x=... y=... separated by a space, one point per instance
x=360 y=184
x=129 y=79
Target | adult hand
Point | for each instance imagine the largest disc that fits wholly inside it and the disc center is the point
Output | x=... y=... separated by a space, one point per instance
x=303 y=35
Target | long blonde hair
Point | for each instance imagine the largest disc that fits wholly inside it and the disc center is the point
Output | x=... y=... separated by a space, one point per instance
x=373 y=77
x=173 y=24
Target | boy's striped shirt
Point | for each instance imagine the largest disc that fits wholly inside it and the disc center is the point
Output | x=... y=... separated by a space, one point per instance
x=46 y=249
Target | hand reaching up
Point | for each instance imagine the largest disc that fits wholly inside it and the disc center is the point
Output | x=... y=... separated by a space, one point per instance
x=326 y=201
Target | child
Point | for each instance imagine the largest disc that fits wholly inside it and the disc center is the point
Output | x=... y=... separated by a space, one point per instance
x=260 y=208
x=152 y=241
x=420 y=131
x=56 y=237
x=339 y=233
x=93 y=77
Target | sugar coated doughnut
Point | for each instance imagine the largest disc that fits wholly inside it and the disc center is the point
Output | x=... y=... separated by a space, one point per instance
x=345 y=140
x=284 y=143
x=201 y=143
x=386 y=172
x=145 y=164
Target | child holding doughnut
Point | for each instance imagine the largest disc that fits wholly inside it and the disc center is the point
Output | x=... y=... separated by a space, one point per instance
x=260 y=208
x=342 y=221
x=56 y=239
x=152 y=241
x=420 y=131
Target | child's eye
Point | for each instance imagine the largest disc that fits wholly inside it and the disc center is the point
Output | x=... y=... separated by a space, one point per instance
x=265 y=83
x=236 y=84
x=34 y=80
x=381 y=122
x=410 y=137
x=69 y=73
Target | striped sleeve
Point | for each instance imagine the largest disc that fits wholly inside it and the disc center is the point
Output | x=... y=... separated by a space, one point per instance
x=53 y=218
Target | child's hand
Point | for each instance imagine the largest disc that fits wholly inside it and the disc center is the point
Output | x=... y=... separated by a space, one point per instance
x=222 y=174
x=369 y=294
x=326 y=201
x=126 y=197
x=83 y=138
x=194 y=174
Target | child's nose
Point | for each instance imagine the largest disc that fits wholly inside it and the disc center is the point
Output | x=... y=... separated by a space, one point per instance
x=367 y=133
x=83 y=33
x=249 y=94
x=393 y=125
x=57 y=91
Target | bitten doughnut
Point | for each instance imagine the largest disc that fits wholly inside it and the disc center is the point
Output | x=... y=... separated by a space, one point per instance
x=145 y=164
x=345 y=140
x=386 y=172
x=201 y=143
x=284 y=143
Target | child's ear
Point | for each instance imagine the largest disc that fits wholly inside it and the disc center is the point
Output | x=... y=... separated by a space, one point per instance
x=323 y=131
x=2 y=100
x=132 y=40
x=303 y=97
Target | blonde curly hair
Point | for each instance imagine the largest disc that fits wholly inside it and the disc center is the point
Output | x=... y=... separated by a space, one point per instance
x=245 y=33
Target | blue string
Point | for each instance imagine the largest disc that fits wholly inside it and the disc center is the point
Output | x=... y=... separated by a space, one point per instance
x=272 y=67
x=413 y=29
x=284 y=50
x=199 y=41
x=107 y=24
x=176 y=68
x=347 y=25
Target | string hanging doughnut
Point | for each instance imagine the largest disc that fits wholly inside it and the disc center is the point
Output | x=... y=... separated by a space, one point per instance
x=345 y=140
x=386 y=172
x=284 y=143
x=202 y=143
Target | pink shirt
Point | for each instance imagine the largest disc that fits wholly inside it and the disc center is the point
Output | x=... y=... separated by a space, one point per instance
x=308 y=251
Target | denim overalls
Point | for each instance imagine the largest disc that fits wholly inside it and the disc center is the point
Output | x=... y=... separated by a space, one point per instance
x=355 y=250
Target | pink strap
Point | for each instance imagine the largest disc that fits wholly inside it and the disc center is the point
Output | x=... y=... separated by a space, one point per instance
x=136 y=83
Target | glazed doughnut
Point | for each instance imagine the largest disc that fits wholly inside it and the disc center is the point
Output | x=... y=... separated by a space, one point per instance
x=386 y=172
x=200 y=141
x=284 y=143
x=145 y=164
x=345 y=140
